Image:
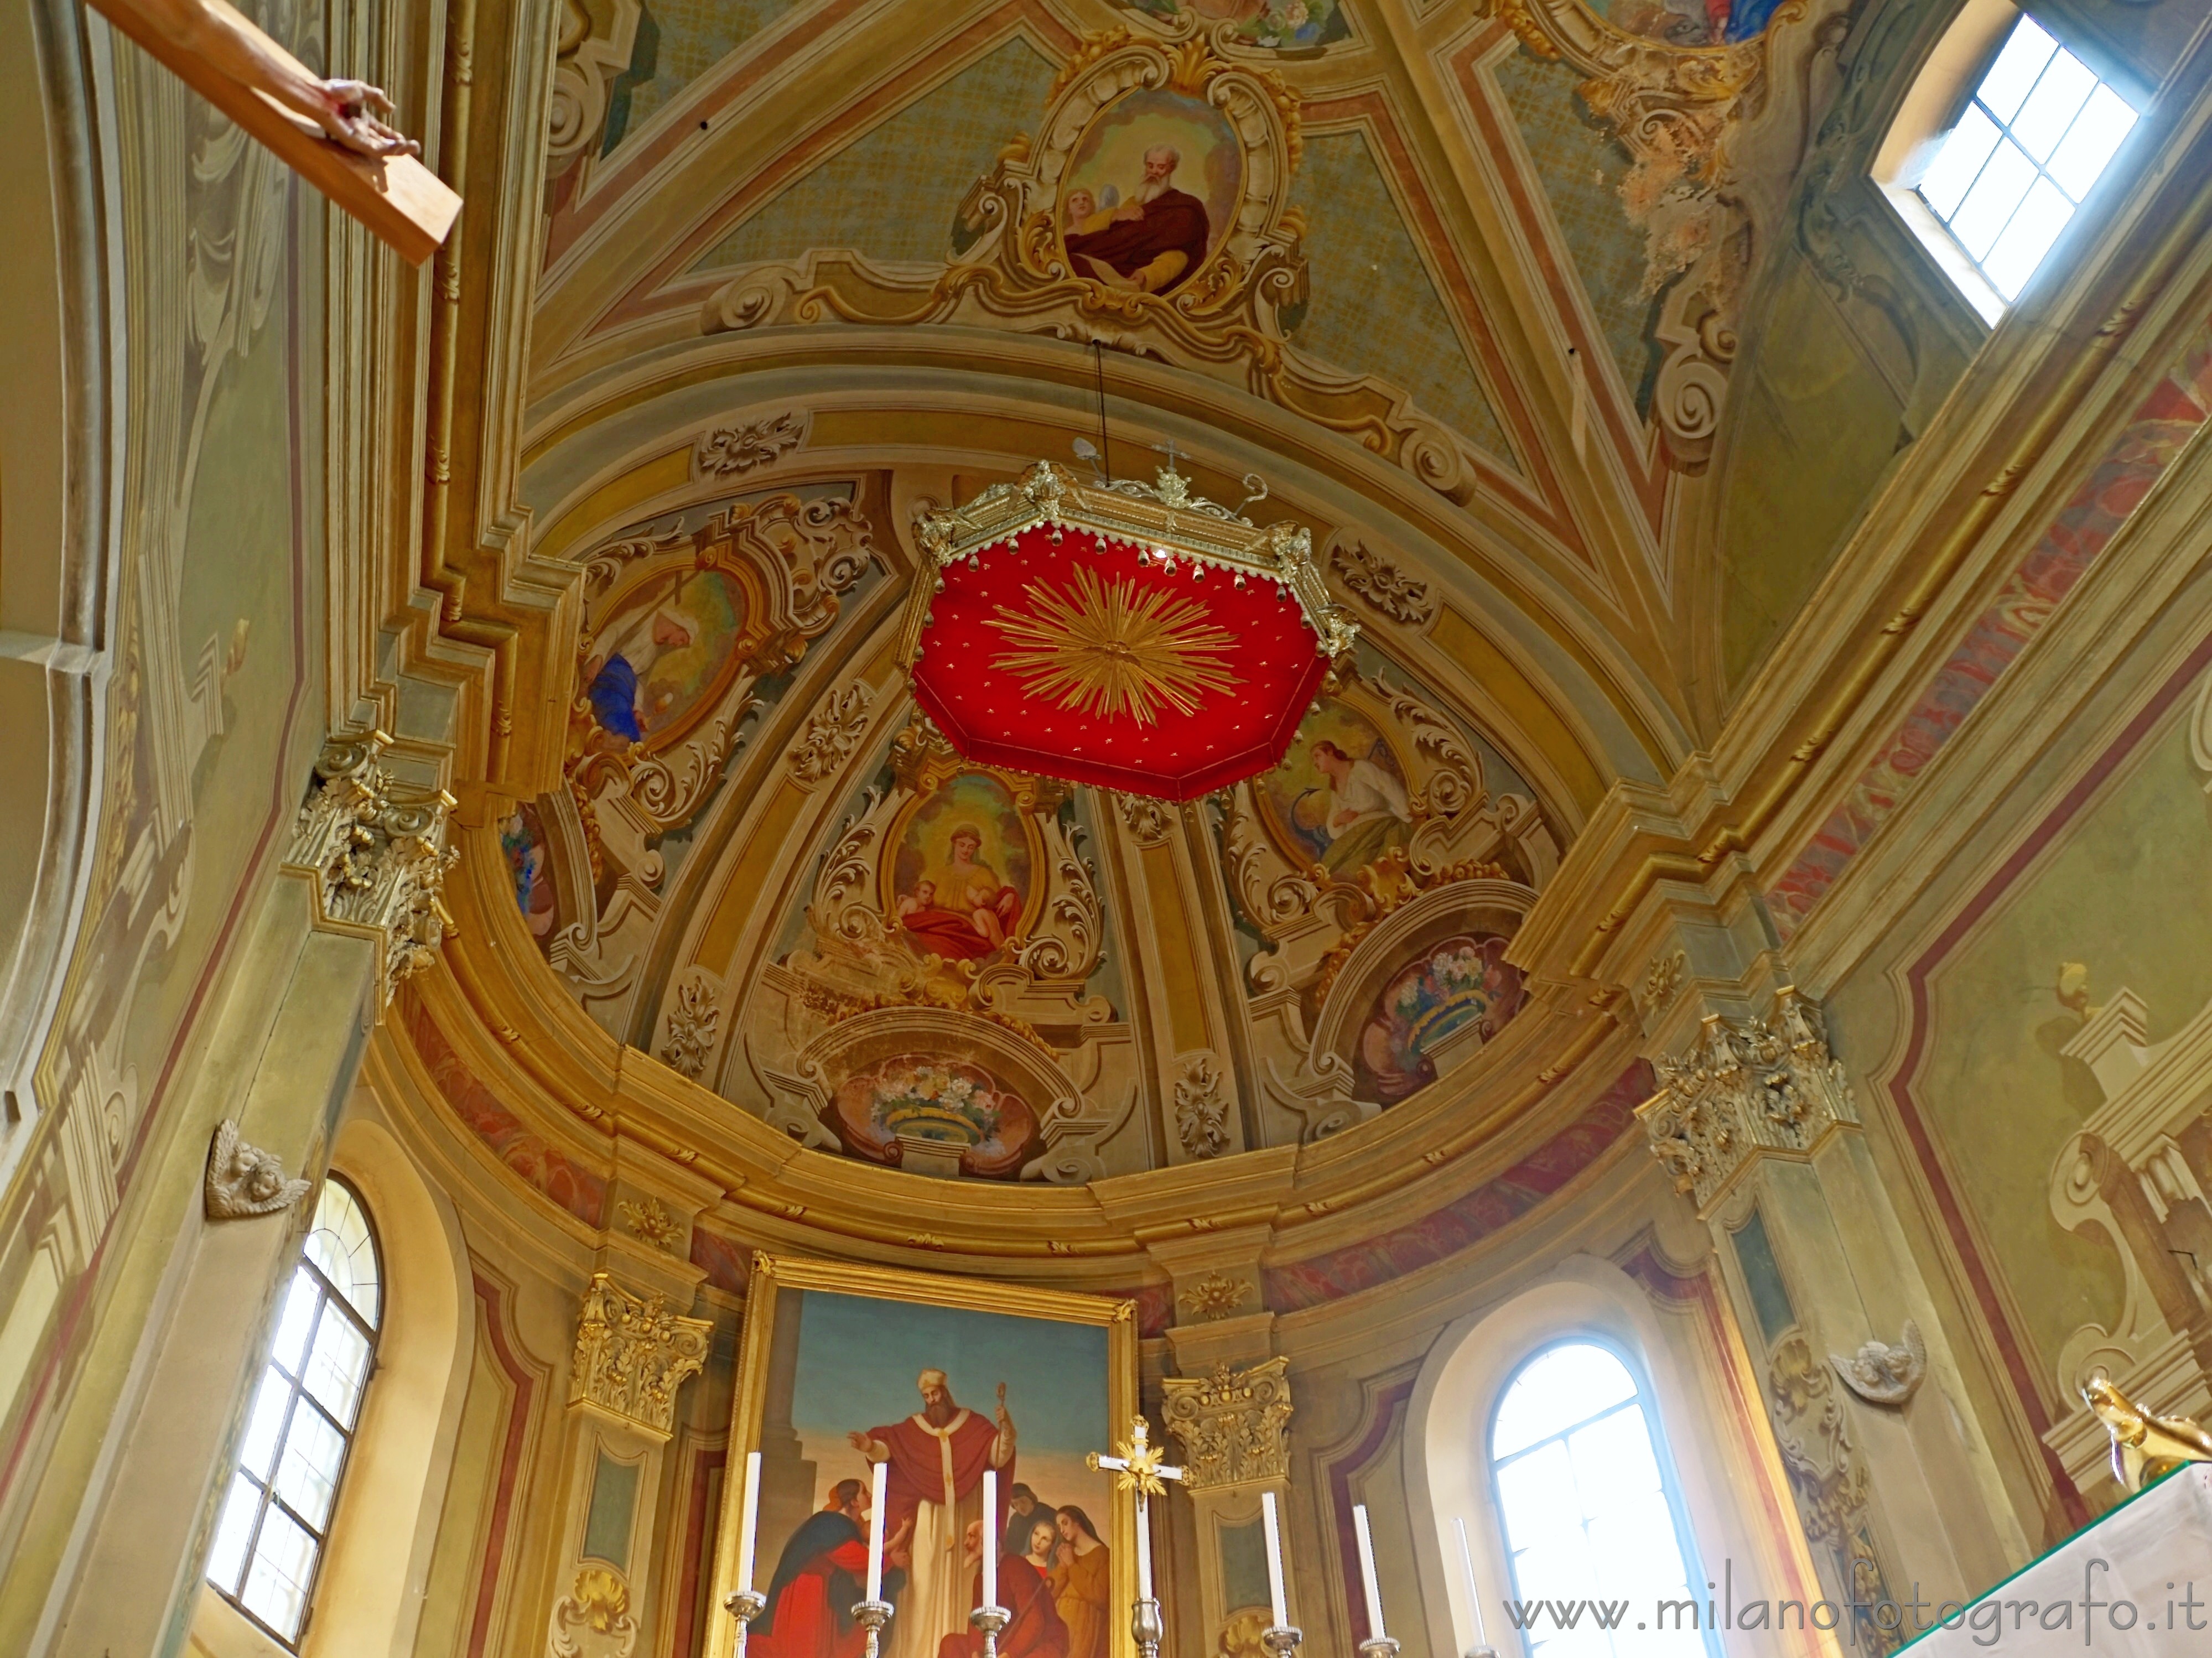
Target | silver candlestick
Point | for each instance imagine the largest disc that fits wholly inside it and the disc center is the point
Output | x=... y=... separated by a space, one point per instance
x=872 y=1615
x=1281 y=1640
x=1145 y=1628
x=993 y=1621
x=1482 y=1650
x=1380 y=1646
x=744 y=1606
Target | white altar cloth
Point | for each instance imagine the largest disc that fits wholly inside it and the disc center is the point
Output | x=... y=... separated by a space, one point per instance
x=2136 y=1584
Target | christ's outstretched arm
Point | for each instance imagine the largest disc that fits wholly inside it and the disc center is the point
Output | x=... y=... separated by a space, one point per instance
x=348 y=111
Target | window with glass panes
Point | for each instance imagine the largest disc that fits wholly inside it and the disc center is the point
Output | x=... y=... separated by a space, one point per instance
x=2038 y=133
x=275 y=1521
x=1590 y=1515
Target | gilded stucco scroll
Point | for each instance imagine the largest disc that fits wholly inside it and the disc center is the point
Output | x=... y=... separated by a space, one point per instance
x=1089 y=231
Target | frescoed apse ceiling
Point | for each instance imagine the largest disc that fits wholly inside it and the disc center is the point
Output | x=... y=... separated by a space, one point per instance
x=1464 y=284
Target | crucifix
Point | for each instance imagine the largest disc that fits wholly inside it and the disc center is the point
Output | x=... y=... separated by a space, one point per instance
x=1137 y=1466
x=330 y=131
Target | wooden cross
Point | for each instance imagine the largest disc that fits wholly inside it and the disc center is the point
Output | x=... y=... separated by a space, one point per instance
x=325 y=130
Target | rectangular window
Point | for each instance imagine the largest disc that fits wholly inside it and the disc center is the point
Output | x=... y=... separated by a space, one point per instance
x=2004 y=181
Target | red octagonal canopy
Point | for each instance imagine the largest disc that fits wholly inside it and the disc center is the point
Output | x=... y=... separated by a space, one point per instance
x=1133 y=638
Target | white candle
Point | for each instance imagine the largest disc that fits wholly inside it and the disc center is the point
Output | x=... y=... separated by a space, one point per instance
x=1474 y=1589
x=876 y=1534
x=1144 y=1549
x=1280 y=1611
x=990 y=1537
x=749 y=1521
x=1366 y=1541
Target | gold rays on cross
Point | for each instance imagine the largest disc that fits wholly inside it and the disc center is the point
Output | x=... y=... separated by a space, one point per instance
x=1106 y=648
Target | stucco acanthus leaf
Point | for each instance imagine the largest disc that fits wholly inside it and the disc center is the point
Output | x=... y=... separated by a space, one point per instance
x=1234 y=1424
x=1149 y=821
x=1663 y=980
x=632 y=1354
x=844 y=905
x=1201 y=1104
x=375 y=850
x=244 y=1180
x=648 y=1219
x=1383 y=583
x=1454 y=779
x=1744 y=1089
x=1883 y=1375
x=1214 y=1297
x=833 y=731
x=1070 y=936
x=735 y=449
x=695 y=1014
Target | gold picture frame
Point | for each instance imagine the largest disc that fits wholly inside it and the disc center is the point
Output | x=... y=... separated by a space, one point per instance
x=761 y=1360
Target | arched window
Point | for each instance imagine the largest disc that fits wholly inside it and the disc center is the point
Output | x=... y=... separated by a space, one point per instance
x=1994 y=153
x=1591 y=1517
x=269 y=1540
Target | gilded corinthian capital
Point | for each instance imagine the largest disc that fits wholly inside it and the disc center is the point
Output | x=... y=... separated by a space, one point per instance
x=1234 y=1424
x=632 y=1354
x=1744 y=1089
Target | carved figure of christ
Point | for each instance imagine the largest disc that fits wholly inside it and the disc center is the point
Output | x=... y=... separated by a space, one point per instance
x=329 y=131
x=933 y=1491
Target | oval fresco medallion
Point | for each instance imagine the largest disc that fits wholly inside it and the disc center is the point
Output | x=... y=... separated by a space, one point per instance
x=1150 y=192
x=662 y=656
x=959 y=876
x=1340 y=799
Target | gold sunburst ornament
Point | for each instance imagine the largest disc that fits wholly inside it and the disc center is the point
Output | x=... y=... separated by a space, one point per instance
x=1136 y=1464
x=1107 y=649
x=1135 y=636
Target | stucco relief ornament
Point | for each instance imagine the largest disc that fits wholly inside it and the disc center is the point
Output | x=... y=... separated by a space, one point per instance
x=733 y=450
x=375 y=849
x=593 y=1619
x=1883 y=1375
x=1715 y=133
x=1234 y=1424
x=1201 y=1106
x=1383 y=583
x=1742 y=1091
x=244 y=1180
x=632 y=1354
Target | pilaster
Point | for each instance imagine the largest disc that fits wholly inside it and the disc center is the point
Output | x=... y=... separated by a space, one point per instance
x=1756 y=1123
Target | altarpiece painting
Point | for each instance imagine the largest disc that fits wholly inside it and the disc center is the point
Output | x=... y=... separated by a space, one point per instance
x=943 y=1379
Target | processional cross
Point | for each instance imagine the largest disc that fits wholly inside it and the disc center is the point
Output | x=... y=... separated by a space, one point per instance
x=328 y=131
x=1137 y=1466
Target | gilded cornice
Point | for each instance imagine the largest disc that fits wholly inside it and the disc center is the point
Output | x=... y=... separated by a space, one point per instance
x=576 y=1088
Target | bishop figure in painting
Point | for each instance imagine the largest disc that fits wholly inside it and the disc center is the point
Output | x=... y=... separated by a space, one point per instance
x=934 y=1491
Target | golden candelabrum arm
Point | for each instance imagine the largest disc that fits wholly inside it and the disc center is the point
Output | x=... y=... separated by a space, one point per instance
x=2145 y=1447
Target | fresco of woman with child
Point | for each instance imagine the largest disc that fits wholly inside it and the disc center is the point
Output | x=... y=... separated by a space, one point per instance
x=961 y=871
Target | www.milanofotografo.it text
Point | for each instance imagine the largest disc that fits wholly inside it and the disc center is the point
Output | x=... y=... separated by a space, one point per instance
x=1996 y=1618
